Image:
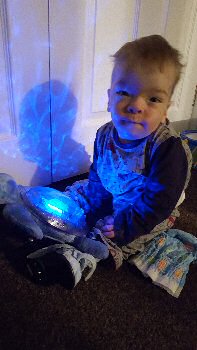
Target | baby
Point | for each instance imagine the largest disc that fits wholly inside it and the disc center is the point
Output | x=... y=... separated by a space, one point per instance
x=141 y=167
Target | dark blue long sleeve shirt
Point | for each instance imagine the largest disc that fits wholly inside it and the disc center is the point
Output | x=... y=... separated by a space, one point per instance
x=140 y=182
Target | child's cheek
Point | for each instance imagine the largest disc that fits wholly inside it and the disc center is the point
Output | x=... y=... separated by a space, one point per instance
x=120 y=106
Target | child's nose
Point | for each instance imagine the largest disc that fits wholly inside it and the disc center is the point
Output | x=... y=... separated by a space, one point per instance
x=136 y=105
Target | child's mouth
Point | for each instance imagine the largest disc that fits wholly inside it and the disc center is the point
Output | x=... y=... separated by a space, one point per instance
x=129 y=121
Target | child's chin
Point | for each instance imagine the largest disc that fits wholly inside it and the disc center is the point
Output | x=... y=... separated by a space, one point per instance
x=131 y=136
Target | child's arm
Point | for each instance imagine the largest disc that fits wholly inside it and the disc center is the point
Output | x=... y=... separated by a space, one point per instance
x=165 y=184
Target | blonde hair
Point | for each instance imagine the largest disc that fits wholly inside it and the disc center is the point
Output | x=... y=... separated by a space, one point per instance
x=150 y=51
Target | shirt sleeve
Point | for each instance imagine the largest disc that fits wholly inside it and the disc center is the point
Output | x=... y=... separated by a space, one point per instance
x=100 y=200
x=165 y=184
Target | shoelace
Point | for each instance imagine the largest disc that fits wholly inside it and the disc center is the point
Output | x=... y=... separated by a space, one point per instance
x=90 y=263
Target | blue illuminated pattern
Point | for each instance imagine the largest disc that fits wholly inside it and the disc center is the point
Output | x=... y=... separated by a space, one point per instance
x=47 y=116
x=55 y=207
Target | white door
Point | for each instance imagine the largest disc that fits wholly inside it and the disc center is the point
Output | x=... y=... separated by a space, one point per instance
x=113 y=25
x=41 y=46
x=25 y=136
x=92 y=30
x=55 y=70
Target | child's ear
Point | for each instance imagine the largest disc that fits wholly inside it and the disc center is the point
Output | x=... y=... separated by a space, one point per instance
x=165 y=115
x=169 y=104
x=108 y=105
x=164 y=118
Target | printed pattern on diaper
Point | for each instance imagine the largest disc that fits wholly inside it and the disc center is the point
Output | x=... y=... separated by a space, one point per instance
x=166 y=259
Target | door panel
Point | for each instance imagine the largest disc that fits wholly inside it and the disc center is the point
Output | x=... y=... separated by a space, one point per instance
x=69 y=155
x=25 y=138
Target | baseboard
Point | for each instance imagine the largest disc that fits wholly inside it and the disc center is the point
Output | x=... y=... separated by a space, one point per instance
x=182 y=125
x=60 y=185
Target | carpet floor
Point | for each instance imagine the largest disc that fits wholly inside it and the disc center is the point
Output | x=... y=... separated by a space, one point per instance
x=112 y=310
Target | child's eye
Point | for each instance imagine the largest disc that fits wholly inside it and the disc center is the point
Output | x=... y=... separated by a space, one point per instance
x=122 y=93
x=155 y=99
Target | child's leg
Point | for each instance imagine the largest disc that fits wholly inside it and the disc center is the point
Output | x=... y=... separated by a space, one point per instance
x=118 y=254
x=139 y=244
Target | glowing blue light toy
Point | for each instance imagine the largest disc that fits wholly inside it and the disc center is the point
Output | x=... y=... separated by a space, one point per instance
x=55 y=208
x=45 y=212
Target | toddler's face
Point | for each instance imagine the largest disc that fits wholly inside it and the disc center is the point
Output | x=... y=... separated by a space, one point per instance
x=139 y=99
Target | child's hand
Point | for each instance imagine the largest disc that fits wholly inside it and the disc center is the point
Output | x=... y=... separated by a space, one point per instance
x=108 y=227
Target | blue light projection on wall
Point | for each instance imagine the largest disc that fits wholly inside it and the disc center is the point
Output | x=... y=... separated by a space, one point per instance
x=68 y=156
